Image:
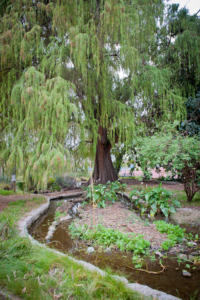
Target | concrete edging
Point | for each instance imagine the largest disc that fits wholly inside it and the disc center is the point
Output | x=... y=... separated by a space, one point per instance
x=26 y=222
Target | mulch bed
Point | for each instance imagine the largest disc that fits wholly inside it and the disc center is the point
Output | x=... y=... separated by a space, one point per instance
x=117 y=216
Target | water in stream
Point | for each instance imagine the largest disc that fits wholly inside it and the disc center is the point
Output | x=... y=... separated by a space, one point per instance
x=170 y=281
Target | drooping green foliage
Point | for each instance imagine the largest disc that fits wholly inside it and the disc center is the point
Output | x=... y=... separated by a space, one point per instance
x=59 y=79
x=179 y=43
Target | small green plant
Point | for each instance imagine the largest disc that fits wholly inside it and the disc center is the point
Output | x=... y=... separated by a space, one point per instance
x=108 y=237
x=84 y=203
x=156 y=200
x=55 y=187
x=138 y=261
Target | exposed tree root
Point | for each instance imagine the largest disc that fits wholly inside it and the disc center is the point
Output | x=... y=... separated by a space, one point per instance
x=150 y=272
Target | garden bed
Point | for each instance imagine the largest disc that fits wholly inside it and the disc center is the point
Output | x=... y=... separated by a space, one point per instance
x=118 y=217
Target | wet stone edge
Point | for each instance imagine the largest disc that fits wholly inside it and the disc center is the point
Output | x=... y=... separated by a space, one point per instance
x=25 y=223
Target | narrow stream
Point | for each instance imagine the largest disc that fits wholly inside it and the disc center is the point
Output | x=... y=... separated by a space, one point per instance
x=170 y=281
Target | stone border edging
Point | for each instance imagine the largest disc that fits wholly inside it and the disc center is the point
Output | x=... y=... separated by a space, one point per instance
x=26 y=222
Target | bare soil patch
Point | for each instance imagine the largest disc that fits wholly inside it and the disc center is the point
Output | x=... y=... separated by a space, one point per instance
x=187 y=215
x=117 y=216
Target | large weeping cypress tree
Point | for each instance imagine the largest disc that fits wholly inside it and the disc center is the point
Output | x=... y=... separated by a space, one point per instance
x=60 y=64
x=179 y=43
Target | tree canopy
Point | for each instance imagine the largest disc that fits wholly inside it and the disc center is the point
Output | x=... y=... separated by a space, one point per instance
x=60 y=85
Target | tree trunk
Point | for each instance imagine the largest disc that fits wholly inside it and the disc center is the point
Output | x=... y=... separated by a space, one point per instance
x=190 y=180
x=103 y=168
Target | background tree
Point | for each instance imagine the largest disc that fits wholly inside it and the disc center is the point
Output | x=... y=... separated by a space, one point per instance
x=177 y=47
x=63 y=59
x=179 y=42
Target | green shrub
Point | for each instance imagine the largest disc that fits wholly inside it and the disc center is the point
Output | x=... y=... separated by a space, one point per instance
x=50 y=182
x=176 y=153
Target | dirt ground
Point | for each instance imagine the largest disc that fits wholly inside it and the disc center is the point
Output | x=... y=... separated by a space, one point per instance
x=187 y=215
x=5 y=200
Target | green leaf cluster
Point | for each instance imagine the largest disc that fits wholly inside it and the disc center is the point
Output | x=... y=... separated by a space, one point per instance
x=156 y=200
x=103 y=193
x=107 y=237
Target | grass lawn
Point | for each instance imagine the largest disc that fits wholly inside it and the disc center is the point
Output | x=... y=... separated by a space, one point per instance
x=36 y=272
x=6 y=193
x=181 y=196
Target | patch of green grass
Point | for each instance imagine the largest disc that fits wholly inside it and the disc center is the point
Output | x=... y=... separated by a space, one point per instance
x=182 y=198
x=6 y=193
x=36 y=272
x=17 y=203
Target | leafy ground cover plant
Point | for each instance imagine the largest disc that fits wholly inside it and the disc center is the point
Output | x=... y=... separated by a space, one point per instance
x=175 y=234
x=108 y=237
x=103 y=193
x=156 y=199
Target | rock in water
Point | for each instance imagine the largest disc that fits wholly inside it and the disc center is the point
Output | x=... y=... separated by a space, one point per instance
x=191 y=257
x=186 y=273
x=182 y=256
x=159 y=254
x=108 y=250
x=90 y=250
x=192 y=244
